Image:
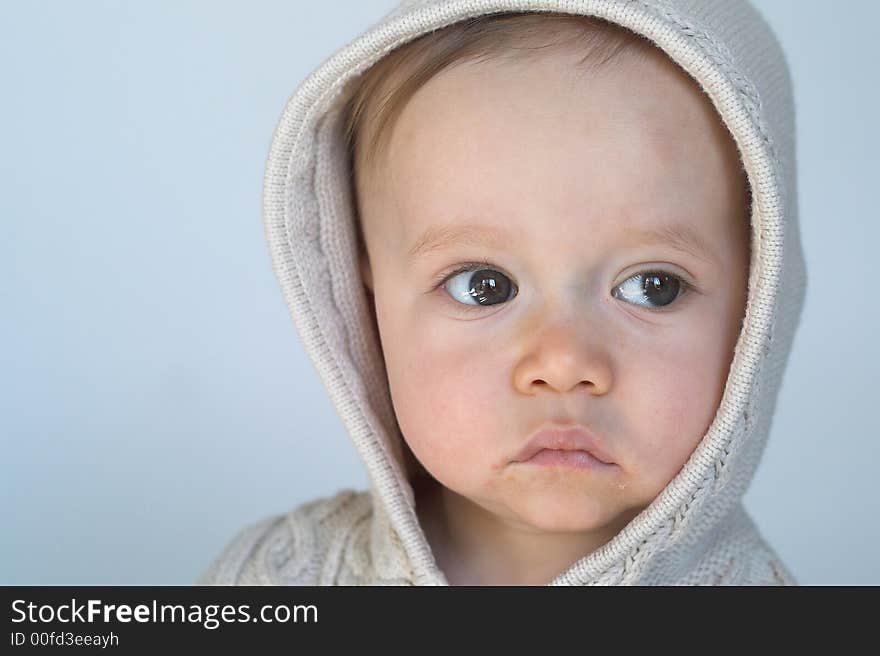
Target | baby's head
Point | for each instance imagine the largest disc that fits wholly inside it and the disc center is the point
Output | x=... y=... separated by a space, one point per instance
x=555 y=229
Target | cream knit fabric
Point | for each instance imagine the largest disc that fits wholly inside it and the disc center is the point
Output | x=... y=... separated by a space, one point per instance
x=696 y=531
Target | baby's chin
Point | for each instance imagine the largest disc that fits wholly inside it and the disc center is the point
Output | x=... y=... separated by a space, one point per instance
x=548 y=515
x=561 y=508
x=549 y=499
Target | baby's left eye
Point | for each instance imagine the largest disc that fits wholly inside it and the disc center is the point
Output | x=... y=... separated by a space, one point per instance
x=651 y=289
x=479 y=286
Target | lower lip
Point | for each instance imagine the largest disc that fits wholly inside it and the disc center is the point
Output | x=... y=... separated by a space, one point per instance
x=563 y=458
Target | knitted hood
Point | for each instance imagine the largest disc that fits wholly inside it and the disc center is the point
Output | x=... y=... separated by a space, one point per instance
x=309 y=214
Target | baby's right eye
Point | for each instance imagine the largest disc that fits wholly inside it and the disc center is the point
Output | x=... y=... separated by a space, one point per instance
x=481 y=286
x=653 y=289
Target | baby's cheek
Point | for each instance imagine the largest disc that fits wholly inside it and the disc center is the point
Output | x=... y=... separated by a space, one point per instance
x=450 y=412
x=674 y=415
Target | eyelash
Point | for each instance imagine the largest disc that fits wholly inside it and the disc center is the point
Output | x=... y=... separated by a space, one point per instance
x=442 y=279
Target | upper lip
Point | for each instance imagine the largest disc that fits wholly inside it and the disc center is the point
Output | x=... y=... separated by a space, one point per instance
x=564 y=438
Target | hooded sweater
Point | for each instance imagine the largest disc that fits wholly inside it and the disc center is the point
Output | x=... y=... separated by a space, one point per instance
x=696 y=530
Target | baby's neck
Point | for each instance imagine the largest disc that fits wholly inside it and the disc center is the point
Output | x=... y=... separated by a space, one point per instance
x=474 y=547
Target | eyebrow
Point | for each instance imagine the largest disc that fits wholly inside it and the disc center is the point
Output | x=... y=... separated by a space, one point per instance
x=438 y=238
x=680 y=237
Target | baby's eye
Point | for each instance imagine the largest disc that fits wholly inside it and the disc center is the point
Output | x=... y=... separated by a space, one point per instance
x=480 y=286
x=651 y=289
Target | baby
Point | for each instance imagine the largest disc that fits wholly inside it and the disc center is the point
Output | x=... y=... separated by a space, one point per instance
x=519 y=251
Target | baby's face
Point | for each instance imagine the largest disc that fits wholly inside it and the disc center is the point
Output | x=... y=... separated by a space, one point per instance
x=554 y=190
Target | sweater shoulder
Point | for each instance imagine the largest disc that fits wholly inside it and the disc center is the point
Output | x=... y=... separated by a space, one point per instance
x=760 y=563
x=290 y=548
x=741 y=556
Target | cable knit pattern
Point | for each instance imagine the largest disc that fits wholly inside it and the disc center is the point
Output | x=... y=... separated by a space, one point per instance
x=696 y=532
x=327 y=541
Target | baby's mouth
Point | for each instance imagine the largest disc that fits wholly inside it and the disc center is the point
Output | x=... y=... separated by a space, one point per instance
x=573 y=458
x=571 y=444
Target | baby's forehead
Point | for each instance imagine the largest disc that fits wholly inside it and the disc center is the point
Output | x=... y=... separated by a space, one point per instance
x=648 y=111
x=550 y=138
x=472 y=128
x=576 y=46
